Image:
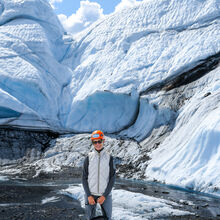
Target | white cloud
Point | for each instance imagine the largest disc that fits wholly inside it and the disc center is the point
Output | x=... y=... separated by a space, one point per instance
x=125 y=4
x=88 y=13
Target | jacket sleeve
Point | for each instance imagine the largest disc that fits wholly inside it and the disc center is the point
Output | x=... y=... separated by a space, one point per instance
x=85 y=177
x=112 y=175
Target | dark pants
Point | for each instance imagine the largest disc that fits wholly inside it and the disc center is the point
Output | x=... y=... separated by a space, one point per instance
x=91 y=209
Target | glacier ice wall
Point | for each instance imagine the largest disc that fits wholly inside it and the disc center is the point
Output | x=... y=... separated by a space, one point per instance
x=52 y=79
x=32 y=80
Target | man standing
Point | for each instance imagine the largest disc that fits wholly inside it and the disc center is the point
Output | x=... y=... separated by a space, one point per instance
x=98 y=177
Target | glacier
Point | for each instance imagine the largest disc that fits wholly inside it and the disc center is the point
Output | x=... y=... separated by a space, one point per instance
x=148 y=74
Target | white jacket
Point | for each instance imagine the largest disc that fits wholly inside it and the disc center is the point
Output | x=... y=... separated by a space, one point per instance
x=98 y=177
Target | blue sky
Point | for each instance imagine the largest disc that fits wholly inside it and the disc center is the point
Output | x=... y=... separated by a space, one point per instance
x=68 y=7
x=77 y=15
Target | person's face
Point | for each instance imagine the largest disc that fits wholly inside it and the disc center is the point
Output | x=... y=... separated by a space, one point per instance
x=98 y=144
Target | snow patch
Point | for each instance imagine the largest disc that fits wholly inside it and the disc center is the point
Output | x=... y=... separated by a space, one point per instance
x=50 y=199
x=3 y=178
x=193 y=146
x=129 y=205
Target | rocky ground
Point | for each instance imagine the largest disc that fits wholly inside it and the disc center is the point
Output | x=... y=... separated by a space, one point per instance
x=25 y=202
x=38 y=198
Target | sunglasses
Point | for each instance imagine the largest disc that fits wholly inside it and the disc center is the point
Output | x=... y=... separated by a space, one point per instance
x=97 y=142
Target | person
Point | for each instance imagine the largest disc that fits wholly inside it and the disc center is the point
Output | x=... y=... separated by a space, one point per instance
x=98 y=177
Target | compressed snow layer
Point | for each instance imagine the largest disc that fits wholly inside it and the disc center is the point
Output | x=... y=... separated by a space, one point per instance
x=190 y=156
x=31 y=82
x=144 y=45
x=129 y=205
x=103 y=110
x=143 y=124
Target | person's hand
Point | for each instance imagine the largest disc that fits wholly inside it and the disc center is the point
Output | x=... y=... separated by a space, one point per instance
x=91 y=200
x=101 y=200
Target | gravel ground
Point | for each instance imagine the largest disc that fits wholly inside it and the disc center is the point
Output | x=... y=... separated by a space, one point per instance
x=26 y=203
x=26 y=199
